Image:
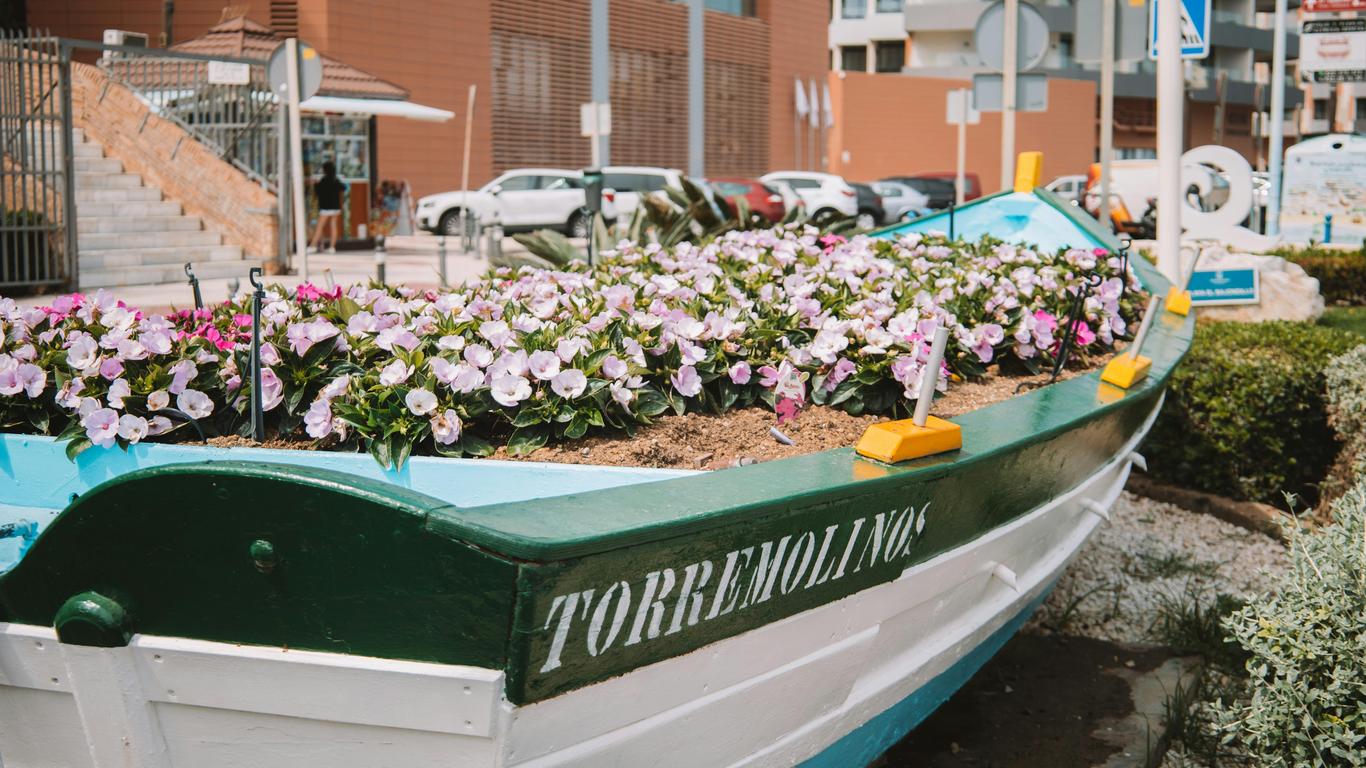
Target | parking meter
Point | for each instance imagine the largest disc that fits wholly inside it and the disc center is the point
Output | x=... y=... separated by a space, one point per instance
x=592 y=189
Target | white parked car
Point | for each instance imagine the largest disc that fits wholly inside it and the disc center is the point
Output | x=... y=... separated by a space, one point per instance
x=1069 y=188
x=900 y=200
x=521 y=200
x=823 y=194
x=630 y=182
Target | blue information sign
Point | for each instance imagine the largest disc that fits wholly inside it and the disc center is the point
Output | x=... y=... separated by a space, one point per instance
x=1225 y=286
x=1195 y=21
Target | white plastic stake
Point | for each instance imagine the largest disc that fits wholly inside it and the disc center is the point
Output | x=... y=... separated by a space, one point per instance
x=1143 y=327
x=929 y=377
x=1190 y=270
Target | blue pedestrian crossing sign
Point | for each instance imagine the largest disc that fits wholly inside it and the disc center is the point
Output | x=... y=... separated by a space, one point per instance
x=1195 y=23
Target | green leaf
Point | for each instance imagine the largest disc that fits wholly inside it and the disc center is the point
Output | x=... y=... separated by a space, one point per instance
x=380 y=450
x=524 y=441
x=475 y=446
x=347 y=307
x=77 y=447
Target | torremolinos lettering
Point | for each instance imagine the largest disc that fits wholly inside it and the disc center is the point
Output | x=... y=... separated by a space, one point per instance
x=628 y=612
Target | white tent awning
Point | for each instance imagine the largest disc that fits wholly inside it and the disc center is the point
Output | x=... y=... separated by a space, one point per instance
x=386 y=107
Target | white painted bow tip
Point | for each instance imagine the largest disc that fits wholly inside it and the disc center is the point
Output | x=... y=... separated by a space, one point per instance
x=1138 y=460
x=1003 y=574
x=1096 y=508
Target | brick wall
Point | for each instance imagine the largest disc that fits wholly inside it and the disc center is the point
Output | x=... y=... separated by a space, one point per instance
x=168 y=157
x=888 y=124
x=799 y=47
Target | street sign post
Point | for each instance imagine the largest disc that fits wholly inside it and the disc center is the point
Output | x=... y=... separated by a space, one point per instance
x=1108 y=31
x=1195 y=24
x=295 y=71
x=595 y=121
x=1011 y=37
x=962 y=113
x=1333 y=50
x=1333 y=6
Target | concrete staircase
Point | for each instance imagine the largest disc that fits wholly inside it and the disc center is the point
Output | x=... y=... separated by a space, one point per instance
x=128 y=234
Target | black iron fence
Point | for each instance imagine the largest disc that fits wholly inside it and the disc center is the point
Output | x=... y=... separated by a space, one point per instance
x=37 y=213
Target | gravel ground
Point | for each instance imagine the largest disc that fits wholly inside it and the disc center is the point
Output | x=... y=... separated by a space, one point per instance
x=1148 y=554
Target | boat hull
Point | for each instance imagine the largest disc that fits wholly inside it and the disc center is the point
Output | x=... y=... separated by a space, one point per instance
x=831 y=685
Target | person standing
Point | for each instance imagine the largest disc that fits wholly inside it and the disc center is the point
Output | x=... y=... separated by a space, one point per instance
x=328 y=191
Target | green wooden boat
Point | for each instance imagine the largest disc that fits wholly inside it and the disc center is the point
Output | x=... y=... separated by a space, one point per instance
x=196 y=608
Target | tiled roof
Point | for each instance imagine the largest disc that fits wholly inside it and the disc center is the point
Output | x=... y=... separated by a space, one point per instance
x=241 y=37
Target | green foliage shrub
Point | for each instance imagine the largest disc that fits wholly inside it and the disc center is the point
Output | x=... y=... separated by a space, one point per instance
x=1307 y=641
x=1246 y=412
x=1341 y=273
x=1345 y=377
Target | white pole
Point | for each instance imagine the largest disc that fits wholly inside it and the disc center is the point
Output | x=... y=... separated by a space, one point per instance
x=1170 y=97
x=960 y=177
x=1107 y=106
x=1144 y=325
x=296 y=151
x=1010 y=51
x=697 y=87
x=600 y=61
x=465 y=168
x=1273 y=200
x=929 y=377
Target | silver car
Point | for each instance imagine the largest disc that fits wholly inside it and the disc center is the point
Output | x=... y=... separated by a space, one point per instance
x=900 y=200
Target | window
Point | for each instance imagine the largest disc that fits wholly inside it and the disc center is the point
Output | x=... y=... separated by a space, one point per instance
x=1361 y=109
x=853 y=9
x=1320 y=109
x=853 y=58
x=733 y=7
x=803 y=183
x=731 y=188
x=891 y=55
x=1135 y=153
x=889 y=6
x=517 y=183
x=552 y=183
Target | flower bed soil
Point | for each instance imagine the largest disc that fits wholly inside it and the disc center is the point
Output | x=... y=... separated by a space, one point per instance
x=717 y=441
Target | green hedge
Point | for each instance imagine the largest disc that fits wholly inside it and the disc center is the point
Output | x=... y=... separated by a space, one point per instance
x=1246 y=412
x=1307 y=641
x=1346 y=379
x=1341 y=274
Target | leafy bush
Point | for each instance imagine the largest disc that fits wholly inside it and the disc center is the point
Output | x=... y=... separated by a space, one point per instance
x=1346 y=380
x=1341 y=274
x=1246 y=412
x=1308 y=645
x=533 y=355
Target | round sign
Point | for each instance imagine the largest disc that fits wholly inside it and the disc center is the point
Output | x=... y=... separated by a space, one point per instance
x=310 y=70
x=990 y=35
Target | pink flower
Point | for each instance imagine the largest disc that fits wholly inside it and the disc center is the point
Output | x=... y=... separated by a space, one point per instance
x=843 y=369
x=544 y=365
x=740 y=373
x=101 y=426
x=308 y=292
x=1085 y=336
x=118 y=390
x=613 y=367
x=686 y=381
x=318 y=420
x=478 y=355
x=466 y=378
x=111 y=368
x=158 y=400
x=569 y=384
x=302 y=336
x=272 y=390
x=182 y=373
x=446 y=427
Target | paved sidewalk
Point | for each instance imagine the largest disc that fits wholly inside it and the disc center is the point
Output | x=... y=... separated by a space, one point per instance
x=410 y=260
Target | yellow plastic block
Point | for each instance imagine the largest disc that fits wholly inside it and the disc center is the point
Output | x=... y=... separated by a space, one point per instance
x=893 y=441
x=1108 y=393
x=1028 y=171
x=1124 y=371
x=1178 y=302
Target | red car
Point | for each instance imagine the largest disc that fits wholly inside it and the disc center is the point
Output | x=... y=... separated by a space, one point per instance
x=763 y=199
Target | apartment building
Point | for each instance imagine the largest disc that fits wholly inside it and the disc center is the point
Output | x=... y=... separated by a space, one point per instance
x=529 y=60
x=933 y=38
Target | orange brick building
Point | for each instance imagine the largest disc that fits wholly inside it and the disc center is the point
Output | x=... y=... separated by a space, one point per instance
x=529 y=60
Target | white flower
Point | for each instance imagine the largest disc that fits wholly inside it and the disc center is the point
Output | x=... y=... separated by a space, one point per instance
x=272 y=389
x=466 y=378
x=687 y=381
x=544 y=365
x=420 y=401
x=510 y=390
x=446 y=427
x=118 y=390
x=195 y=403
x=132 y=428
x=827 y=346
x=622 y=395
x=182 y=374
x=613 y=367
x=569 y=384
x=396 y=372
x=451 y=343
x=83 y=353
x=478 y=355
x=158 y=400
x=159 y=425
x=335 y=388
